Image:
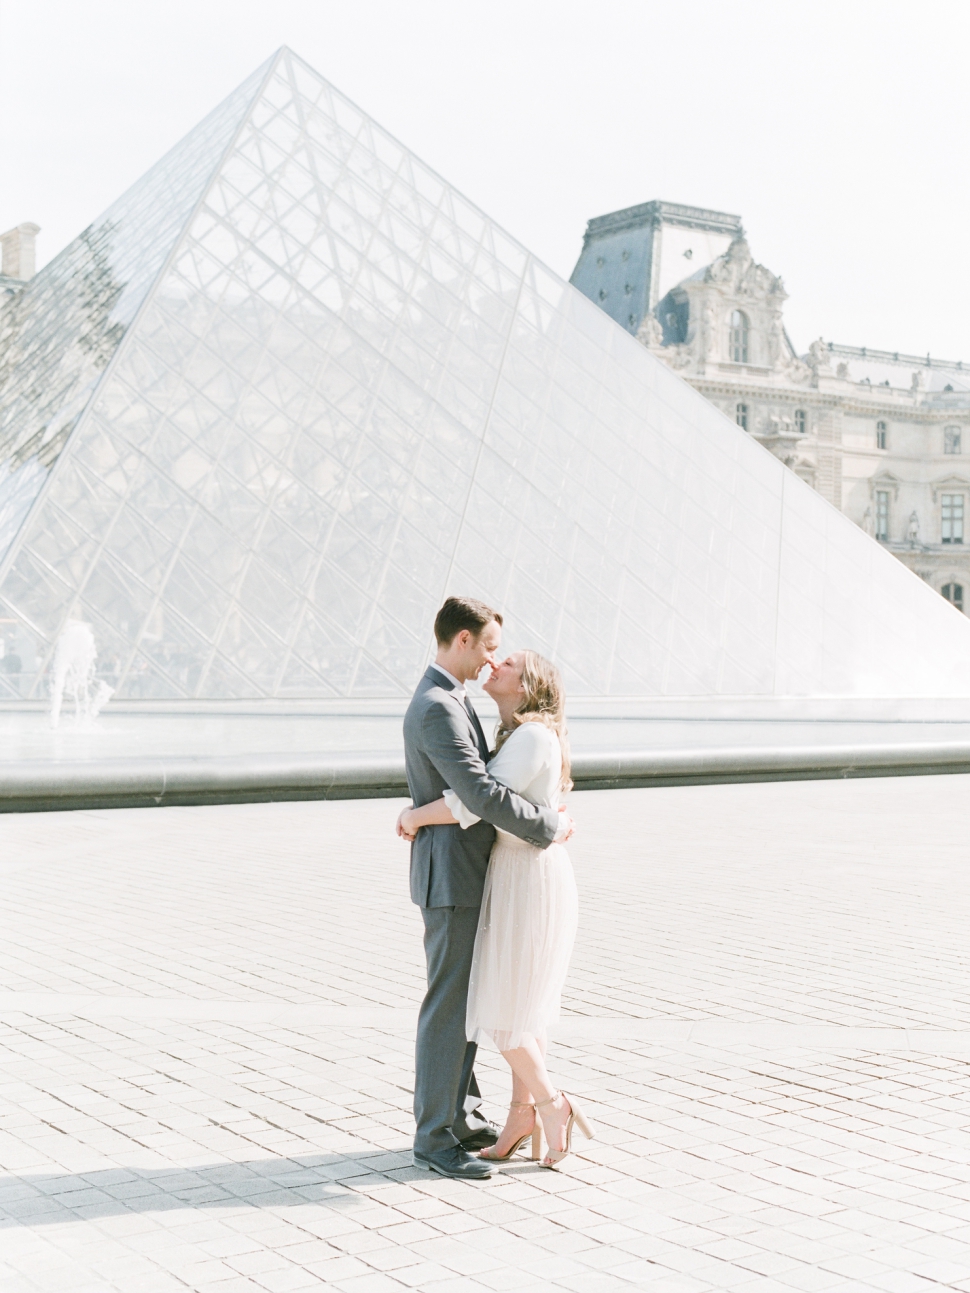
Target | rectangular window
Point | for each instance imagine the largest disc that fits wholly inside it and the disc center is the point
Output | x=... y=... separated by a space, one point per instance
x=951 y=440
x=800 y=421
x=880 y=435
x=953 y=594
x=951 y=528
x=882 y=514
x=738 y=340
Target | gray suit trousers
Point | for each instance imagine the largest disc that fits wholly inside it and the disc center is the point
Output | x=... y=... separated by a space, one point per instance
x=443 y=1073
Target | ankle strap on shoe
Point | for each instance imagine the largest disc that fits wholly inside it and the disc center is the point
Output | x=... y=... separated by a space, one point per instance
x=521 y=1104
x=541 y=1104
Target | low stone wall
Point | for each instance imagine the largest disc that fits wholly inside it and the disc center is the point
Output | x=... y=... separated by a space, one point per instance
x=40 y=786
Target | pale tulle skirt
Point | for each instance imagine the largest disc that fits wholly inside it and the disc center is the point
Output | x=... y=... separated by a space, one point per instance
x=525 y=939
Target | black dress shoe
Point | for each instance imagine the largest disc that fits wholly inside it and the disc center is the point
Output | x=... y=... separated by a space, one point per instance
x=481 y=1138
x=454 y=1162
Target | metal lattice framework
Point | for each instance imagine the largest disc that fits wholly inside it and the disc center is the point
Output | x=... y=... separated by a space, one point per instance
x=292 y=389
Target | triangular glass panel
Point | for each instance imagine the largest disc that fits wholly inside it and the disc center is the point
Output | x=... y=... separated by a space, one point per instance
x=293 y=389
x=222 y=681
x=323 y=651
x=371 y=680
x=254 y=648
x=62 y=328
x=143 y=681
x=175 y=650
x=299 y=680
x=265 y=597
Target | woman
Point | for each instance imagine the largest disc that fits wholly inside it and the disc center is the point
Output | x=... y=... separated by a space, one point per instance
x=529 y=909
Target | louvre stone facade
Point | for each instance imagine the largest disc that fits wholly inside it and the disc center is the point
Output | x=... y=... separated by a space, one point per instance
x=881 y=435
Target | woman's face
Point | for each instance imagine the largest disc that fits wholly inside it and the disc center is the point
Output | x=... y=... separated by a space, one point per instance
x=506 y=680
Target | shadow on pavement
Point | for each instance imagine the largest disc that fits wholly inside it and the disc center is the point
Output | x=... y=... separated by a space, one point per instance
x=262 y=1183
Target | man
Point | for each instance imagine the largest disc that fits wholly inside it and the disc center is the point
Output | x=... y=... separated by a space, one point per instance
x=445 y=748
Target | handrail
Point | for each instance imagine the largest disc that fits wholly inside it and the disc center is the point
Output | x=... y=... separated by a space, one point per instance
x=896 y=357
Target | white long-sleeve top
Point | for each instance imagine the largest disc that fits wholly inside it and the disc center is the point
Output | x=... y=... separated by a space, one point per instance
x=530 y=763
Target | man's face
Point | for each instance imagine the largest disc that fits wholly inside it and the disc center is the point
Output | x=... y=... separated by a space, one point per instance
x=481 y=651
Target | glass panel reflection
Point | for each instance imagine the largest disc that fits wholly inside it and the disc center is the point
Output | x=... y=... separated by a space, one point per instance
x=292 y=389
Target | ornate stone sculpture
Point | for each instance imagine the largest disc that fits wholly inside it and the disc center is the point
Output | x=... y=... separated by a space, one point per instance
x=732 y=281
x=651 y=334
x=678 y=357
x=709 y=330
x=818 y=356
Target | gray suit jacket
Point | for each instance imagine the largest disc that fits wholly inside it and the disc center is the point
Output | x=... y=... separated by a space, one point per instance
x=445 y=748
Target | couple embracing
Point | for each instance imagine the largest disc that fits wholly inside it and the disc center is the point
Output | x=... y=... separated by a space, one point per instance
x=496 y=891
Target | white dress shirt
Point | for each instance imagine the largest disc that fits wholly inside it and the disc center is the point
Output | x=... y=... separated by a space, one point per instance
x=459 y=686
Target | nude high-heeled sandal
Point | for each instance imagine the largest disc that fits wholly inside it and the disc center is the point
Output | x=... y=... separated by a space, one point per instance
x=535 y=1133
x=555 y=1156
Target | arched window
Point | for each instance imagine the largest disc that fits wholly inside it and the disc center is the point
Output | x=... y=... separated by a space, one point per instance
x=801 y=422
x=880 y=435
x=739 y=337
x=953 y=594
x=741 y=416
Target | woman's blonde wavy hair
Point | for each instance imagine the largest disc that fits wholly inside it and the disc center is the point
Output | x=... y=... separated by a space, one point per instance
x=544 y=702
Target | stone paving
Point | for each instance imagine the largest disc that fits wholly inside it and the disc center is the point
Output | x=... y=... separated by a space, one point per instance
x=206 y=1022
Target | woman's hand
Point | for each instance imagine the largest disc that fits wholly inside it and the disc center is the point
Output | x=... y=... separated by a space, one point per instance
x=406 y=830
x=412 y=819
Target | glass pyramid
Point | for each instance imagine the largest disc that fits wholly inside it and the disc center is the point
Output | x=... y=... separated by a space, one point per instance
x=293 y=389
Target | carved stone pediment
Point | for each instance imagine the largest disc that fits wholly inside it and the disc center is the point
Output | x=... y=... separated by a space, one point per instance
x=946 y=575
x=884 y=480
x=797 y=371
x=738 y=273
x=947 y=483
x=698 y=317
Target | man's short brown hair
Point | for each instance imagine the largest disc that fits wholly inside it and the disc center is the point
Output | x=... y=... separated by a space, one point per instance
x=462 y=613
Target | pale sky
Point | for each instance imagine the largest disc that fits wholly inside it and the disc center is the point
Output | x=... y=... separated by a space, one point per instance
x=836 y=130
